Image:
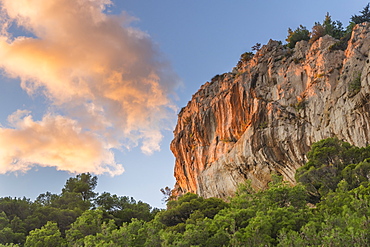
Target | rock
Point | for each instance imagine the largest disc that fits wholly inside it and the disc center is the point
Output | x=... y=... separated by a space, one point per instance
x=262 y=118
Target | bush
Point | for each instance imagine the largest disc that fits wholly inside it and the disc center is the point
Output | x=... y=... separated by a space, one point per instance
x=245 y=57
x=341 y=44
x=318 y=31
x=355 y=86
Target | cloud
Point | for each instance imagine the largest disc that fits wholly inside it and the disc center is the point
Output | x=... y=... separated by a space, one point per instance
x=53 y=141
x=106 y=82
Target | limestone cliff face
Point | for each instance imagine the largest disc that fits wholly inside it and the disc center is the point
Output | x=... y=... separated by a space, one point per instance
x=262 y=117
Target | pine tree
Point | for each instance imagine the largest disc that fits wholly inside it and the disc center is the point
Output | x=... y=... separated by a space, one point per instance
x=364 y=17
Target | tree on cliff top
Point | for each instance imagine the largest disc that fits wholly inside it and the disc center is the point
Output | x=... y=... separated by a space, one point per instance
x=333 y=28
x=364 y=17
x=301 y=33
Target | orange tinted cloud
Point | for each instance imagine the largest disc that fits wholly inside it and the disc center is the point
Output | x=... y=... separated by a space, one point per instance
x=103 y=75
x=53 y=141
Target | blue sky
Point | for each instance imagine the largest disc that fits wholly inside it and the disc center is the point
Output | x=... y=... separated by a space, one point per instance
x=199 y=39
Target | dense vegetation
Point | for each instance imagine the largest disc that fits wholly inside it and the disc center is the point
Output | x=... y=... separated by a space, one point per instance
x=330 y=206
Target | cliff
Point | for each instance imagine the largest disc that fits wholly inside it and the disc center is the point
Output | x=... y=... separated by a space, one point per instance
x=262 y=117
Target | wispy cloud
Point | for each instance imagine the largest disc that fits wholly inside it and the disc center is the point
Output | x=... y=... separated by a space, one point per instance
x=106 y=81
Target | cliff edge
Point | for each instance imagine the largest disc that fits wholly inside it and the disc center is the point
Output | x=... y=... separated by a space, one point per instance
x=262 y=117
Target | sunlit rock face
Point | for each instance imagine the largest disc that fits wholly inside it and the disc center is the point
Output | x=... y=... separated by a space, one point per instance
x=262 y=118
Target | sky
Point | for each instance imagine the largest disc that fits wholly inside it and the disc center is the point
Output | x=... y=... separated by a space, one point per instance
x=95 y=85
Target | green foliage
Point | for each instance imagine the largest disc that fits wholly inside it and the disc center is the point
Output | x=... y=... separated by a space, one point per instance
x=46 y=199
x=339 y=220
x=300 y=105
x=277 y=216
x=357 y=174
x=74 y=223
x=245 y=57
x=4 y=221
x=342 y=44
x=329 y=161
x=333 y=28
x=48 y=236
x=263 y=125
x=16 y=207
x=181 y=210
x=317 y=32
x=252 y=219
x=89 y=223
x=7 y=235
x=82 y=184
x=124 y=209
x=256 y=47
x=355 y=86
x=364 y=17
x=329 y=27
x=301 y=33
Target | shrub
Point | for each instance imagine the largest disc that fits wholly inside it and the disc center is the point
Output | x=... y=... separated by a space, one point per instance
x=341 y=44
x=355 y=86
x=318 y=31
x=246 y=56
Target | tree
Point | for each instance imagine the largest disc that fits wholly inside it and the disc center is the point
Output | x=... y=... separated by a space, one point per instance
x=46 y=199
x=103 y=237
x=180 y=211
x=333 y=28
x=246 y=56
x=83 y=184
x=317 y=32
x=301 y=33
x=89 y=223
x=73 y=201
x=256 y=47
x=16 y=207
x=167 y=193
x=357 y=174
x=7 y=235
x=48 y=236
x=326 y=161
x=124 y=209
x=364 y=17
x=4 y=221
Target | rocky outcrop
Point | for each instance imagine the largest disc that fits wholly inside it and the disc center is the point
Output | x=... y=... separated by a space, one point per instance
x=262 y=117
